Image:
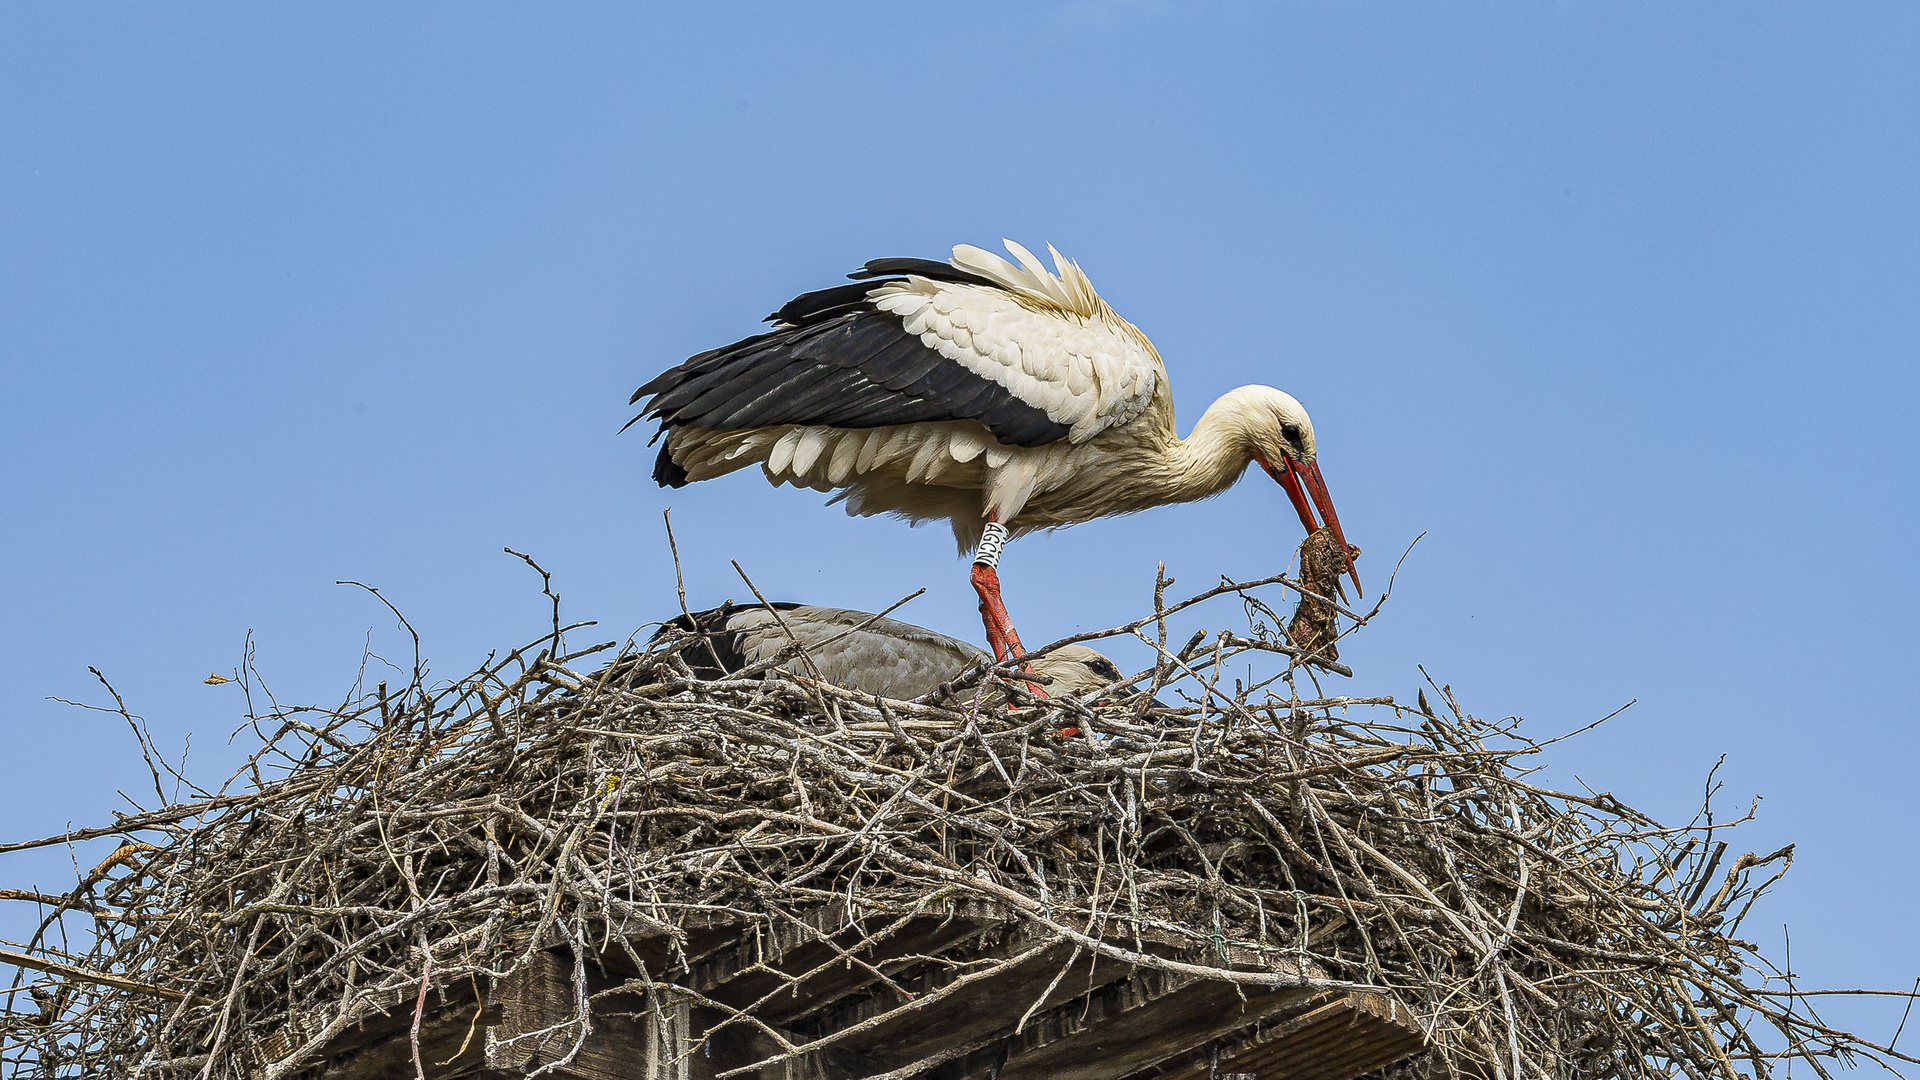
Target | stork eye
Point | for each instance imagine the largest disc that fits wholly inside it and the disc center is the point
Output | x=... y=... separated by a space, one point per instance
x=1292 y=432
x=1104 y=669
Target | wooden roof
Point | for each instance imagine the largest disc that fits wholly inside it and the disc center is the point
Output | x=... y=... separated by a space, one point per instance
x=959 y=992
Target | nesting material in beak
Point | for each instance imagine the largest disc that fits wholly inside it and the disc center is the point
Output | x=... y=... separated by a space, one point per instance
x=1315 y=625
x=1303 y=481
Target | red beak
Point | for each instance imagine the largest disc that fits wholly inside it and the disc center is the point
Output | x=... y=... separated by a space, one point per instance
x=1300 y=480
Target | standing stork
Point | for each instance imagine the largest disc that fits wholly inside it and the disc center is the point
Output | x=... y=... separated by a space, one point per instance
x=1000 y=398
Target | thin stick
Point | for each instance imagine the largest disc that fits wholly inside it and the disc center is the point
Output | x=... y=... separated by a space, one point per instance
x=88 y=975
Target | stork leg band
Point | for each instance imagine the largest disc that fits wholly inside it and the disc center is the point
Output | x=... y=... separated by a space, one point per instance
x=992 y=539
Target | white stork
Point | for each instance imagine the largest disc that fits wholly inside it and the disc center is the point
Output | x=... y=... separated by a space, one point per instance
x=865 y=652
x=1000 y=398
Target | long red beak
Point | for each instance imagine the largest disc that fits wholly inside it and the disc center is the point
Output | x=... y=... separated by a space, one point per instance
x=1300 y=480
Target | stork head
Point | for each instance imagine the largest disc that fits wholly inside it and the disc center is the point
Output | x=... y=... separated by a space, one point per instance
x=1281 y=438
x=1077 y=669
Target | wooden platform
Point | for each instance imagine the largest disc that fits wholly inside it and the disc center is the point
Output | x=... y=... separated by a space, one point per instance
x=918 y=997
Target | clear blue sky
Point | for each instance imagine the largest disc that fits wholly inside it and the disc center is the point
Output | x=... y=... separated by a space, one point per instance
x=1617 y=303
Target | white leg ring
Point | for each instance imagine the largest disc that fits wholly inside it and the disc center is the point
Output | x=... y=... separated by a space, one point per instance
x=992 y=539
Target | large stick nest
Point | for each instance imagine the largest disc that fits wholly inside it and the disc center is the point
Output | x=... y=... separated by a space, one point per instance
x=439 y=833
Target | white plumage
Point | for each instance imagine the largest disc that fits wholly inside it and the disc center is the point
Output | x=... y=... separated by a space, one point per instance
x=978 y=392
x=1049 y=339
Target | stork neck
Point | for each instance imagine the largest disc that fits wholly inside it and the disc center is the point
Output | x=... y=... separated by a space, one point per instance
x=1215 y=452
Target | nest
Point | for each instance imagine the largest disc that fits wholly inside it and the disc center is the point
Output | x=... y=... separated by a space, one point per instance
x=438 y=835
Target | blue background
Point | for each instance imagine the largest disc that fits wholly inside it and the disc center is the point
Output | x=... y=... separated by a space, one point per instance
x=1616 y=303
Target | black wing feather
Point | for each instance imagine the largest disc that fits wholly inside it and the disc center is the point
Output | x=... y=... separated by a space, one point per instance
x=770 y=396
x=839 y=394
x=926 y=268
x=666 y=471
x=833 y=359
x=756 y=375
x=908 y=363
x=943 y=382
x=814 y=306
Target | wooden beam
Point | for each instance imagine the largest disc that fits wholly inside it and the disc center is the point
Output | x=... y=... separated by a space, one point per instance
x=825 y=957
x=629 y=1040
x=700 y=939
x=380 y=1042
x=1123 y=1028
x=982 y=1008
x=1346 y=1036
x=452 y=1042
x=625 y=1041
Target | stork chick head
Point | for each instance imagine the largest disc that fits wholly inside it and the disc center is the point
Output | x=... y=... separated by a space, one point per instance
x=1076 y=669
x=1280 y=437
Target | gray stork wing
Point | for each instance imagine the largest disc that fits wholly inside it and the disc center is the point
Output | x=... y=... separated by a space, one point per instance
x=889 y=658
x=877 y=656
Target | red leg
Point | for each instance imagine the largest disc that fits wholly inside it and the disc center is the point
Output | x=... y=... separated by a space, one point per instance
x=993 y=613
x=1000 y=632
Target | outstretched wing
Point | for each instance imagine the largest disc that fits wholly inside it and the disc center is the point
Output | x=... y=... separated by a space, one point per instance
x=1032 y=356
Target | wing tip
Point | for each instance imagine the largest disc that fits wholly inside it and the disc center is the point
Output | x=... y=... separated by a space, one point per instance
x=667 y=472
